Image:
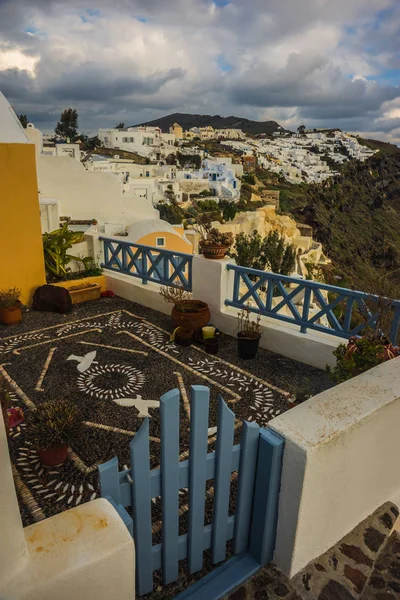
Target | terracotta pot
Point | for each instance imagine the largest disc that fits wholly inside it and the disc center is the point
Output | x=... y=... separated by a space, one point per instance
x=11 y=314
x=195 y=315
x=214 y=251
x=184 y=337
x=51 y=457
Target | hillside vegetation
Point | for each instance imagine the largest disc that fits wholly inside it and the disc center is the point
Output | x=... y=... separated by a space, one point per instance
x=187 y=121
x=356 y=216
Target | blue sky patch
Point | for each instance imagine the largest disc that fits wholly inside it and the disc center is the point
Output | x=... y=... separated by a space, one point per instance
x=142 y=19
x=223 y=64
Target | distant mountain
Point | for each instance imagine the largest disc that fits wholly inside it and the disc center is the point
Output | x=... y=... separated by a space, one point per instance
x=188 y=121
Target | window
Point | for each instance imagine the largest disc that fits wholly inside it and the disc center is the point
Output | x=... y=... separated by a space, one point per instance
x=160 y=242
x=105 y=139
x=147 y=173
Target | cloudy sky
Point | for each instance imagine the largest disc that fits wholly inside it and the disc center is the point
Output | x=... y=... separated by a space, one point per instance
x=313 y=62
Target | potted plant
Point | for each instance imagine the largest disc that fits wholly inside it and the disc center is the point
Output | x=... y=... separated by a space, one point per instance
x=88 y=282
x=10 y=306
x=186 y=312
x=52 y=427
x=373 y=348
x=360 y=355
x=248 y=334
x=214 y=244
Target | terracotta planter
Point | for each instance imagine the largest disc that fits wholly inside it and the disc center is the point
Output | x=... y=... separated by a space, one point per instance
x=214 y=251
x=51 y=457
x=247 y=347
x=184 y=337
x=11 y=314
x=195 y=315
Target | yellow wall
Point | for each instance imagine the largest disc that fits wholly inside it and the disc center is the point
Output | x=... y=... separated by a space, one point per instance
x=172 y=242
x=21 y=253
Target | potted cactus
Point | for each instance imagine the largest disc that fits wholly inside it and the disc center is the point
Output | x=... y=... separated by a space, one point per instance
x=52 y=427
x=214 y=244
x=10 y=306
x=248 y=334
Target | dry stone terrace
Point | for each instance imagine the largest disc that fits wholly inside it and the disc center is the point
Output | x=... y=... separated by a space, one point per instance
x=114 y=359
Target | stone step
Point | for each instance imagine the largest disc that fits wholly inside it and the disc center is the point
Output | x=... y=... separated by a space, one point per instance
x=384 y=583
x=343 y=572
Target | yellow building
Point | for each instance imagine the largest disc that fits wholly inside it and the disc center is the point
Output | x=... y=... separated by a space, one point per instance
x=159 y=234
x=21 y=250
x=177 y=131
x=207 y=133
x=190 y=135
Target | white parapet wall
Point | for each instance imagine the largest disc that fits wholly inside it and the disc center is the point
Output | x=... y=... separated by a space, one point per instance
x=213 y=283
x=83 y=553
x=341 y=462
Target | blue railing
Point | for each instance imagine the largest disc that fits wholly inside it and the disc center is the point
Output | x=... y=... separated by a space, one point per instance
x=149 y=264
x=307 y=302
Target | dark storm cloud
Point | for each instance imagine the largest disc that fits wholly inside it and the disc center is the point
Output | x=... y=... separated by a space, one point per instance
x=132 y=59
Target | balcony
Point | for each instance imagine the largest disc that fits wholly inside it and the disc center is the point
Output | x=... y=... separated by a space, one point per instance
x=114 y=359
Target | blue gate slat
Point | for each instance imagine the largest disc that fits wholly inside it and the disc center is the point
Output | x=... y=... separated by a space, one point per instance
x=155 y=477
x=125 y=516
x=169 y=413
x=183 y=543
x=258 y=460
x=109 y=480
x=222 y=485
x=140 y=470
x=247 y=473
x=266 y=496
x=199 y=405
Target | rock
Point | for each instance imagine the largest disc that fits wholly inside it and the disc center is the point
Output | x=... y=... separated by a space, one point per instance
x=394 y=570
x=356 y=554
x=239 y=594
x=357 y=578
x=261 y=595
x=281 y=590
x=262 y=580
x=385 y=596
x=395 y=586
x=377 y=582
x=334 y=562
x=387 y=520
x=319 y=567
x=395 y=511
x=373 y=539
x=306 y=581
x=334 y=590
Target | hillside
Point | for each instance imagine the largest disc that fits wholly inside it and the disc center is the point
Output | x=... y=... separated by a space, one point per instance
x=356 y=217
x=187 y=121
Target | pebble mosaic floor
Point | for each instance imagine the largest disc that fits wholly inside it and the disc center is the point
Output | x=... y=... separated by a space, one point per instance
x=114 y=359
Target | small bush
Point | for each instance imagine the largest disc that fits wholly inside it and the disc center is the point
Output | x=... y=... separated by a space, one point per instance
x=9 y=297
x=54 y=423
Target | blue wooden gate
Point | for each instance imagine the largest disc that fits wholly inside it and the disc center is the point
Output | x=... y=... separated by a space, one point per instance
x=257 y=459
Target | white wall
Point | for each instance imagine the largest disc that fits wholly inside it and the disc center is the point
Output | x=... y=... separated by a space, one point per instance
x=11 y=130
x=86 y=552
x=212 y=283
x=87 y=195
x=341 y=462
